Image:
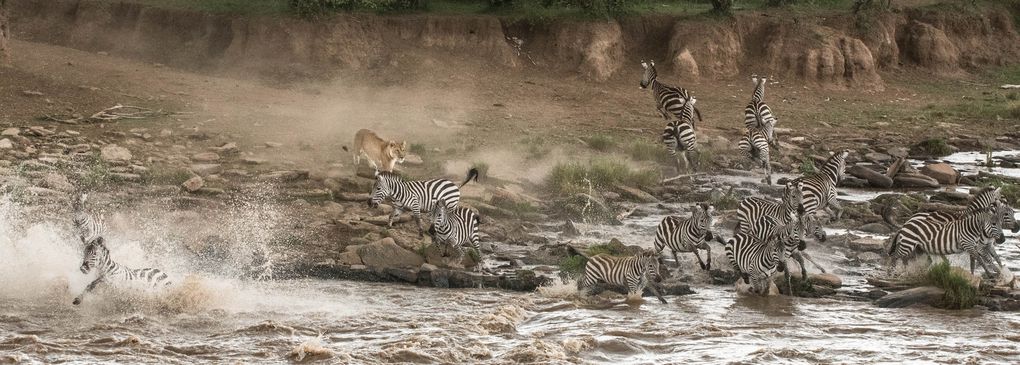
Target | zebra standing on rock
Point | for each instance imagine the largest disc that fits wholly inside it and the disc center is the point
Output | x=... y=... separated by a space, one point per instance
x=819 y=191
x=687 y=235
x=758 y=115
x=679 y=135
x=416 y=196
x=89 y=226
x=933 y=234
x=757 y=256
x=669 y=100
x=97 y=258
x=454 y=228
x=634 y=272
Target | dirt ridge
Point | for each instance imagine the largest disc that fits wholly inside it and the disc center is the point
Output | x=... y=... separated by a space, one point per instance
x=841 y=52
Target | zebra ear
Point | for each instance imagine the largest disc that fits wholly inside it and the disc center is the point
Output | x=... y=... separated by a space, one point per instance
x=644 y=64
x=652 y=62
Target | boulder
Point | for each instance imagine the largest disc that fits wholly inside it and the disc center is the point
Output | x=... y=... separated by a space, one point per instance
x=926 y=295
x=386 y=253
x=929 y=47
x=57 y=182
x=867 y=244
x=205 y=157
x=349 y=257
x=908 y=180
x=876 y=228
x=206 y=169
x=6 y=144
x=877 y=157
x=941 y=172
x=11 y=131
x=873 y=177
x=825 y=279
x=636 y=194
x=193 y=184
x=115 y=154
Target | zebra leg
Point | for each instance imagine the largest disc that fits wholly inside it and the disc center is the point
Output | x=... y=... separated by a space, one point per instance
x=417 y=221
x=708 y=255
x=768 y=172
x=835 y=210
x=804 y=255
x=89 y=288
x=396 y=214
x=655 y=290
x=698 y=256
x=676 y=259
x=687 y=162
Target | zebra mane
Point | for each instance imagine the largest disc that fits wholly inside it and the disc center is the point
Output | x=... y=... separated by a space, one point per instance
x=835 y=166
x=985 y=198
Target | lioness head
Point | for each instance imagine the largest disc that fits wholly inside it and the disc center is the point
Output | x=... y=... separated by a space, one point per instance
x=397 y=150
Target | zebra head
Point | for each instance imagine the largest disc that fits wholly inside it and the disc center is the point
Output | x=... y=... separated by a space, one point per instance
x=990 y=220
x=701 y=216
x=835 y=166
x=793 y=197
x=78 y=203
x=1008 y=218
x=384 y=184
x=759 y=88
x=440 y=214
x=95 y=252
x=648 y=261
x=649 y=74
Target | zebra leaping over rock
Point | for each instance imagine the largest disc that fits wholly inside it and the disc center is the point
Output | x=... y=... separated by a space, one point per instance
x=669 y=100
x=416 y=196
x=687 y=235
x=634 y=272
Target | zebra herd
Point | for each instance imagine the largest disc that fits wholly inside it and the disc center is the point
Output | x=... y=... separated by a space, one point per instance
x=768 y=232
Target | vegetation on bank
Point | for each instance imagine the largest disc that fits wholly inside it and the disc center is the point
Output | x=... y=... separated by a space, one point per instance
x=959 y=293
x=599 y=174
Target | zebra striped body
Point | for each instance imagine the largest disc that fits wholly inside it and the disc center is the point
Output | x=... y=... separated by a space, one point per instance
x=634 y=272
x=755 y=145
x=988 y=199
x=757 y=114
x=757 y=258
x=679 y=134
x=687 y=235
x=820 y=191
x=416 y=196
x=936 y=233
x=89 y=226
x=97 y=259
x=669 y=100
x=752 y=209
x=454 y=227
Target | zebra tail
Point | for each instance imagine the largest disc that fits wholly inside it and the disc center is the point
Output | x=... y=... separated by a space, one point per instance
x=345 y=149
x=473 y=173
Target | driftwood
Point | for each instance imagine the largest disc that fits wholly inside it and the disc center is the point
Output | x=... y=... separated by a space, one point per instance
x=873 y=177
x=895 y=168
x=116 y=112
x=910 y=180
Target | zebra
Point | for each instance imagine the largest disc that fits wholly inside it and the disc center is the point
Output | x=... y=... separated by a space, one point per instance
x=635 y=272
x=790 y=209
x=757 y=256
x=97 y=258
x=758 y=115
x=669 y=100
x=416 y=196
x=755 y=145
x=89 y=226
x=454 y=227
x=687 y=235
x=819 y=191
x=939 y=234
x=989 y=198
x=679 y=134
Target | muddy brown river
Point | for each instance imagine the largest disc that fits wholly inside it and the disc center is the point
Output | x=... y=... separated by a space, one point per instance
x=221 y=319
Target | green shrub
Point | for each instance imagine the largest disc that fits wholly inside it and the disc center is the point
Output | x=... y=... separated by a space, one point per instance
x=807 y=165
x=599 y=142
x=95 y=173
x=959 y=293
x=573 y=266
x=536 y=148
x=600 y=174
x=318 y=8
x=726 y=201
x=936 y=147
x=644 y=151
x=613 y=248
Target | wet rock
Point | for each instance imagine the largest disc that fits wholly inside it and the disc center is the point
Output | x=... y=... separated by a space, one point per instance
x=941 y=172
x=907 y=180
x=227 y=148
x=927 y=295
x=115 y=154
x=193 y=184
x=876 y=293
x=876 y=228
x=386 y=253
x=867 y=244
x=898 y=152
x=873 y=177
x=877 y=157
x=125 y=176
x=870 y=257
x=825 y=279
x=636 y=194
x=349 y=257
x=253 y=161
x=569 y=230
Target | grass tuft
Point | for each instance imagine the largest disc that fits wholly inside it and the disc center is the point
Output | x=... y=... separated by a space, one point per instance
x=807 y=165
x=959 y=293
x=600 y=142
x=573 y=266
x=936 y=147
x=569 y=178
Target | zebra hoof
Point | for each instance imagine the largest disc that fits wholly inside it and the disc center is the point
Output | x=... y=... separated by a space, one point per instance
x=76 y=301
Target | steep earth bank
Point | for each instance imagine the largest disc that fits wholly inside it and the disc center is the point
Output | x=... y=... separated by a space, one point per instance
x=840 y=51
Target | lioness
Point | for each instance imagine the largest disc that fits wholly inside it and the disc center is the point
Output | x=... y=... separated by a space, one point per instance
x=386 y=153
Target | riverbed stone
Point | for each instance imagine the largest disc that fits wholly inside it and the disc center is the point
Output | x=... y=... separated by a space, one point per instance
x=826 y=279
x=193 y=184
x=386 y=253
x=867 y=244
x=927 y=295
x=941 y=172
x=115 y=154
x=57 y=182
x=876 y=228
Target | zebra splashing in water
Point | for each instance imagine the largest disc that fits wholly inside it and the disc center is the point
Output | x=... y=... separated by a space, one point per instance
x=687 y=235
x=788 y=211
x=416 y=196
x=941 y=234
x=634 y=272
x=669 y=100
x=454 y=228
x=679 y=135
x=820 y=191
x=756 y=257
x=89 y=226
x=97 y=259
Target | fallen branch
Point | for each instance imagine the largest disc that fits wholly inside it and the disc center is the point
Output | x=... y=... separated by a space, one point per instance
x=116 y=112
x=678 y=177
